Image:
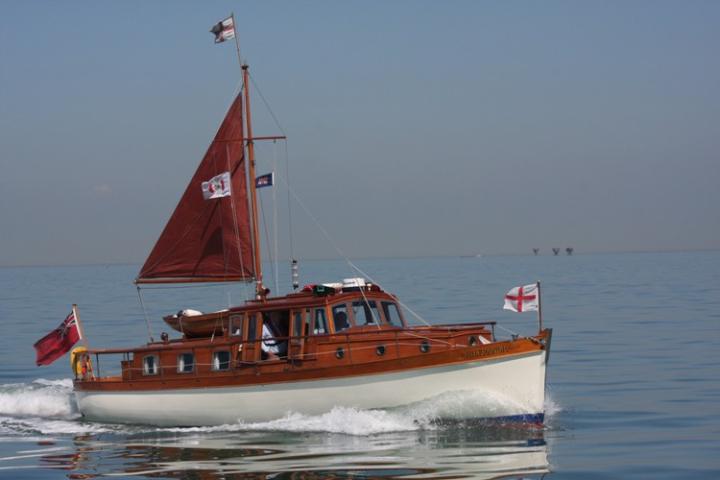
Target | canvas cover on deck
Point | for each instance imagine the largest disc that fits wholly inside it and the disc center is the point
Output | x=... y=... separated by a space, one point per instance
x=209 y=240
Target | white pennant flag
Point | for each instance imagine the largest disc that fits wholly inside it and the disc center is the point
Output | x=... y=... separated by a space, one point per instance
x=224 y=30
x=217 y=187
x=522 y=299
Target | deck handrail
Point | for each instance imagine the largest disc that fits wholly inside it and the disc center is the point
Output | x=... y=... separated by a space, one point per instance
x=230 y=341
x=390 y=336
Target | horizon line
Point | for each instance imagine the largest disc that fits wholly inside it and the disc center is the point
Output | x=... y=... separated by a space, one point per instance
x=388 y=257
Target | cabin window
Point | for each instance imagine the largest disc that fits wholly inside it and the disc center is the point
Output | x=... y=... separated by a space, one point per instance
x=340 y=317
x=186 y=363
x=308 y=322
x=236 y=324
x=150 y=365
x=298 y=327
x=252 y=328
x=221 y=361
x=366 y=313
x=392 y=314
x=278 y=321
x=321 y=326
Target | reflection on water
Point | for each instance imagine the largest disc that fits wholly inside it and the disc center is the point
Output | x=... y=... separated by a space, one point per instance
x=458 y=450
x=43 y=437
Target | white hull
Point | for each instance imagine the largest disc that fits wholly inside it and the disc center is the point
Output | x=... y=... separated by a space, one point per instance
x=518 y=381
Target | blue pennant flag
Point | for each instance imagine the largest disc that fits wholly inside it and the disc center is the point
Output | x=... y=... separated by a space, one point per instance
x=267 y=180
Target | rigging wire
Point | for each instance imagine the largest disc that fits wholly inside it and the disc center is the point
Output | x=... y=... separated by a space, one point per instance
x=236 y=227
x=243 y=160
x=287 y=162
x=267 y=105
x=376 y=320
x=235 y=221
x=511 y=332
x=147 y=319
x=309 y=213
x=290 y=221
x=367 y=275
x=267 y=237
x=275 y=220
x=340 y=252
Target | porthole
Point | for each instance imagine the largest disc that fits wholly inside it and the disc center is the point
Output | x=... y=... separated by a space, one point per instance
x=339 y=353
x=472 y=341
x=425 y=346
x=380 y=350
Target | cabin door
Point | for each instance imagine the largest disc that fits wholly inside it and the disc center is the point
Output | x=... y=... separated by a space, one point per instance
x=250 y=347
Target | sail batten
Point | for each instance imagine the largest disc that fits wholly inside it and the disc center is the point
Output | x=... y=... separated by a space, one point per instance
x=209 y=239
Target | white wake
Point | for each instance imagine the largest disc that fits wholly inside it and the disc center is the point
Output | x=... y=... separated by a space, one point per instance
x=48 y=407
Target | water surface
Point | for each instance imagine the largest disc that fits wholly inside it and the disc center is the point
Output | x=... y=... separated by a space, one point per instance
x=633 y=389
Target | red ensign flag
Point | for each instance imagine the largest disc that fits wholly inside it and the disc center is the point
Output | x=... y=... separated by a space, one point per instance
x=56 y=343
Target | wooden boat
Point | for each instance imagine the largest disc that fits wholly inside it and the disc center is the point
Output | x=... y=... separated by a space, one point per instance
x=346 y=344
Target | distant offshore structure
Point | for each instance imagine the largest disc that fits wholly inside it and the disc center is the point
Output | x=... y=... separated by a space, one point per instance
x=555 y=250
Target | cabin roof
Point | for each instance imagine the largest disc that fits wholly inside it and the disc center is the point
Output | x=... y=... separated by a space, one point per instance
x=308 y=299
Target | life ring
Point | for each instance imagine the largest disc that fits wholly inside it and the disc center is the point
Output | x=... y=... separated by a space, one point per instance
x=80 y=362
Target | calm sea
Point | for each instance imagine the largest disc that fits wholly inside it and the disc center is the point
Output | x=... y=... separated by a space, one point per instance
x=634 y=378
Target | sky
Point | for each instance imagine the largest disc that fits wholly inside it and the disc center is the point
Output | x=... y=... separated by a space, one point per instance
x=414 y=127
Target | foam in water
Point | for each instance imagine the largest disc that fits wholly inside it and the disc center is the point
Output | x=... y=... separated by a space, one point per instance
x=423 y=415
x=552 y=408
x=345 y=420
x=48 y=407
x=350 y=421
x=41 y=398
x=461 y=405
x=42 y=406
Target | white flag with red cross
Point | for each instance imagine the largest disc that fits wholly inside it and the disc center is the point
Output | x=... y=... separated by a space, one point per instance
x=523 y=299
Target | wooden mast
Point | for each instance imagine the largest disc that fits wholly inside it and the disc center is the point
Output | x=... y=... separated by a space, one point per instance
x=259 y=288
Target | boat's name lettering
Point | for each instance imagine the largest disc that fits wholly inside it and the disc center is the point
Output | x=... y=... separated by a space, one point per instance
x=486 y=351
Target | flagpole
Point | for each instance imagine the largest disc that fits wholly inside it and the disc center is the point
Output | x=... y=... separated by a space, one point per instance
x=540 y=322
x=79 y=324
x=237 y=42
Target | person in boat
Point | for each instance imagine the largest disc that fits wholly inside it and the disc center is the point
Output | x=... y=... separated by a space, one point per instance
x=272 y=345
x=341 y=322
x=269 y=345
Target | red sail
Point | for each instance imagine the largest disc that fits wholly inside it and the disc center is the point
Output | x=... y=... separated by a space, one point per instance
x=208 y=240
